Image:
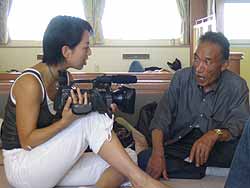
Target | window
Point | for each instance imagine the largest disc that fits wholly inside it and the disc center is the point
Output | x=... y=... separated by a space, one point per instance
x=122 y=20
x=236 y=15
x=28 y=19
x=141 y=20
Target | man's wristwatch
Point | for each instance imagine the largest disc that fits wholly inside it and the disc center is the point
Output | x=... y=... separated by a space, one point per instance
x=219 y=132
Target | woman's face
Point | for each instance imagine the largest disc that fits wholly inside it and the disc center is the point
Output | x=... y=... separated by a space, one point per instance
x=77 y=57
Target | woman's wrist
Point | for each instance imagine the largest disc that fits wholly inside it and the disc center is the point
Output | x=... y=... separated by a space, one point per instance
x=62 y=123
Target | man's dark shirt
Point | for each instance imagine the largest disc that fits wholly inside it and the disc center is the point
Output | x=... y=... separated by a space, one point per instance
x=185 y=106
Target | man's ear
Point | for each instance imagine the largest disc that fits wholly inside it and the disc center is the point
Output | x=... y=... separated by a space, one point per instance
x=225 y=65
x=66 y=52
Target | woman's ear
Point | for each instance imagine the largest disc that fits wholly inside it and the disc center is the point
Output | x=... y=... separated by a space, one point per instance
x=66 y=51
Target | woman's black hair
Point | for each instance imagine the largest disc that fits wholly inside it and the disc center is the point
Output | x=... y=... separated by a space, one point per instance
x=62 y=30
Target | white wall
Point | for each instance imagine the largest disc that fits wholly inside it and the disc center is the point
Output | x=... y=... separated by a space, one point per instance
x=17 y=58
x=103 y=59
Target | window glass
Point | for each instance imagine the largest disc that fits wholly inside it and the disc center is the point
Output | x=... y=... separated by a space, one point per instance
x=141 y=20
x=28 y=19
x=236 y=26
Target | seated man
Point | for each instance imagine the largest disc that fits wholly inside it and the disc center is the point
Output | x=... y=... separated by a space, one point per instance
x=240 y=168
x=200 y=117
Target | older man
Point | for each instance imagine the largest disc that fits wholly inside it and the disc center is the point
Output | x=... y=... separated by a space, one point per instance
x=200 y=117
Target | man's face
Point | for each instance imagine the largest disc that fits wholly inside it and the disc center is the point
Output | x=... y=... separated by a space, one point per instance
x=208 y=64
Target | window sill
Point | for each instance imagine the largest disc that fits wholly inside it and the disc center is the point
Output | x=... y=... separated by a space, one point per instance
x=22 y=44
x=139 y=43
x=240 y=43
x=107 y=43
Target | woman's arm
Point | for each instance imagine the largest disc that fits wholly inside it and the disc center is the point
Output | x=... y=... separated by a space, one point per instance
x=28 y=95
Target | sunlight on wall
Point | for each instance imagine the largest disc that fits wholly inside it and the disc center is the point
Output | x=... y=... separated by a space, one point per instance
x=101 y=60
x=244 y=64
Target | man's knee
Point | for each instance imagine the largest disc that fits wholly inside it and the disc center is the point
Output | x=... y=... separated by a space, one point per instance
x=143 y=158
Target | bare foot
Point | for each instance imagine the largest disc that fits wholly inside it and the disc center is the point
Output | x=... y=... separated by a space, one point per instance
x=150 y=183
x=143 y=180
x=140 y=141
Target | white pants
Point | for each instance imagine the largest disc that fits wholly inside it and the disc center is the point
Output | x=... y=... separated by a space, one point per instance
x=61 y=160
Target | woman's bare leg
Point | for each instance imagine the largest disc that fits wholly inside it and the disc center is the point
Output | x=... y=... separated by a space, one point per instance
x=113 y=152
x=111 y=178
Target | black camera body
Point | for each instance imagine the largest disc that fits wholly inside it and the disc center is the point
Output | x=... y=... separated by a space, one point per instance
x=100 y=96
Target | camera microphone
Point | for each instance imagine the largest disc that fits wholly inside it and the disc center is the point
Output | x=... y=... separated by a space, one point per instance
x=124 y=79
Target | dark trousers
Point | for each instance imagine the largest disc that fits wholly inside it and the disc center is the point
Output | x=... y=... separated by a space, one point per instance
x=240 y=169
x=220 y=156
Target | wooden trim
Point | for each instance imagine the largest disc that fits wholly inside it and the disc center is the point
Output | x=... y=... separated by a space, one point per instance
x=84 y=75
x=5 y=87
x=8 y=76
x=141 y=88
x=139 y=75
x=147 y=83
x=234 y=61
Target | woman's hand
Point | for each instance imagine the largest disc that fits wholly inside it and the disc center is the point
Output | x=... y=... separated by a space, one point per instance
x=67 y=115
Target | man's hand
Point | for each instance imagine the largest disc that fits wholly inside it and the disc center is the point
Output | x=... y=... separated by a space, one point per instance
x=202 y=147
x=157 y=166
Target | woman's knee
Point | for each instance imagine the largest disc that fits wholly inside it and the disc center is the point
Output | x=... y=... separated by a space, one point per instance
x=98 y=130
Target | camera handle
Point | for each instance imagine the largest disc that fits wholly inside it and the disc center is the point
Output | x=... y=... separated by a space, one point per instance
x=80 y=109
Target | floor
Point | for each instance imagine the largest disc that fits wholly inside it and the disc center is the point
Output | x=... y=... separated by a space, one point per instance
x=207 y=182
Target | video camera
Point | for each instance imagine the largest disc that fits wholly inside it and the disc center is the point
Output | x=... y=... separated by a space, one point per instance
x=100 y=96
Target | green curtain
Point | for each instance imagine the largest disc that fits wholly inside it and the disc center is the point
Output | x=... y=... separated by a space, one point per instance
x=183 y=6
x=93 y=10
x=4 y=13
x=219 y=15
x=216 y=8
x=210 y=7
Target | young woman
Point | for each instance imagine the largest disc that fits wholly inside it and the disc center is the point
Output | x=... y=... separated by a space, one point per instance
x=40 y=151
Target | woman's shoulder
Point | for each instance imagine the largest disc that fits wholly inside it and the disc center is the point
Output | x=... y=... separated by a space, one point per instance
x=27 y=83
